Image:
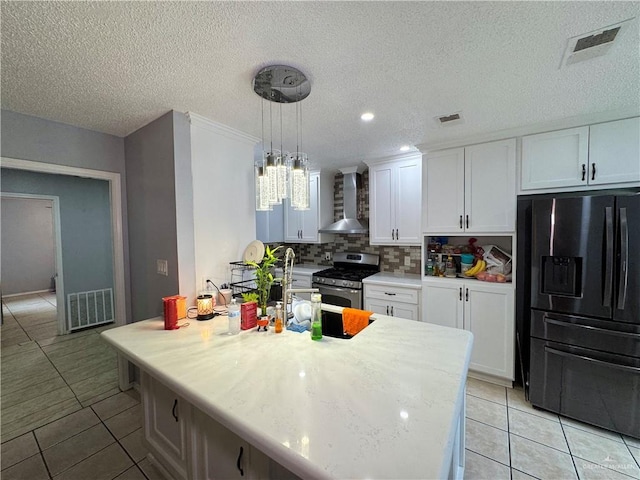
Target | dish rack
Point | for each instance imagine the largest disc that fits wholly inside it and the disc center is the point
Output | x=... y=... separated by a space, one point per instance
x=242 y=278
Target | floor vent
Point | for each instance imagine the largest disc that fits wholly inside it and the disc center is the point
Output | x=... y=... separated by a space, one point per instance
x=87 y=309
x=592 y=44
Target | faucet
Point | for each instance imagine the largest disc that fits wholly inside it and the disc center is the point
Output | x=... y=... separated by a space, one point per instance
x=287 y=281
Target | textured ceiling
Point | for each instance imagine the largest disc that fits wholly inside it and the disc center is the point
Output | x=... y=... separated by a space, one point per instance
x=115 y=66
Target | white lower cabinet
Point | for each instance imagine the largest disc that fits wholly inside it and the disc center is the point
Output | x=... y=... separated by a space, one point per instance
x=218 y=453
x=166 y=425
x=486 y=310
x=393 y=301
x=189 y=444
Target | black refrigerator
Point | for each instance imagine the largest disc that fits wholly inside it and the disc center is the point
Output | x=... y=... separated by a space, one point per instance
x=578 y=306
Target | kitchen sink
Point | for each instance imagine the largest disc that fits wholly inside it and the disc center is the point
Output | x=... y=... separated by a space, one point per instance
x=332 y=326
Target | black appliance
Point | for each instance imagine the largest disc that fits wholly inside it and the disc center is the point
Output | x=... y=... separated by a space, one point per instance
x=581 y=335
x=342 y=286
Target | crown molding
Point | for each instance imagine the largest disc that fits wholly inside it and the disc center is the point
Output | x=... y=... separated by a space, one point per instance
x=392 y=158
x=219 y=128
x=560 y=124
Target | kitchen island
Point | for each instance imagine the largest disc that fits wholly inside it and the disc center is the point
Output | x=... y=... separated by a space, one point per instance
x=388 y=403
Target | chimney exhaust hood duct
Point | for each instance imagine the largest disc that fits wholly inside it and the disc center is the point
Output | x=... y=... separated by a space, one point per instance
x=350 y=222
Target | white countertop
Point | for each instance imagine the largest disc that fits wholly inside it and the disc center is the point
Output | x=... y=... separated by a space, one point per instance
x=308 y=269
x=381 y=405
x=388 y=279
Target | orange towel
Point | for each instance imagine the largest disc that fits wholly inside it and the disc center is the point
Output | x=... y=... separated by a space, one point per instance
x=354 y=320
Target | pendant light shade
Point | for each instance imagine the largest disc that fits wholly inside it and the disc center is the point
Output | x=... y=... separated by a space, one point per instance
x=278 y=174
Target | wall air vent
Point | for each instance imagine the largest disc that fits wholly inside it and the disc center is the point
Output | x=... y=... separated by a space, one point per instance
x=592 y=44
x=449 y=120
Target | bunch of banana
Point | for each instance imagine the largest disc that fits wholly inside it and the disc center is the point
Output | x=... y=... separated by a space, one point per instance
x=480 y=266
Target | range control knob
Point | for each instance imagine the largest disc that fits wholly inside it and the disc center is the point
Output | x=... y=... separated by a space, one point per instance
x=333 y=282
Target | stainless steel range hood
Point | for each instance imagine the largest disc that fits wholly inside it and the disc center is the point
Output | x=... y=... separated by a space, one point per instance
x=349 y=222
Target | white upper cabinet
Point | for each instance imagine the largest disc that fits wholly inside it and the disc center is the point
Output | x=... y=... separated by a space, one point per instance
x=614 y=152
x=394 y=202
x=302 y=226
x=590 y=156
x=270 y=225
x=470 y=189
x=555 y=159
x=443 y=185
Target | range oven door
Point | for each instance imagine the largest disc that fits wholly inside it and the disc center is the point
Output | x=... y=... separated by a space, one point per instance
x=341 y=297
x=583 y=370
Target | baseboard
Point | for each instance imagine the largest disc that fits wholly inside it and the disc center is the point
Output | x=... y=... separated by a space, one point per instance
x=9 y=295
x=503 y=382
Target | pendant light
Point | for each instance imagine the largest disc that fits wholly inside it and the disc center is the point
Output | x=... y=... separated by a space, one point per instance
x=278 y=174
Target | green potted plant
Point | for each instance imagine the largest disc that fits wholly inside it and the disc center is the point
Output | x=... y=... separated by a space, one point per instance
x=264 y=276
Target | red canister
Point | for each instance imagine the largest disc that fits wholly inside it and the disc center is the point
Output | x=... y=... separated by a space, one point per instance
x=170 y=313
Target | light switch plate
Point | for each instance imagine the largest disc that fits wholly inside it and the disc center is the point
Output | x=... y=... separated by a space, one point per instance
x=162 y=267
x=407 y=261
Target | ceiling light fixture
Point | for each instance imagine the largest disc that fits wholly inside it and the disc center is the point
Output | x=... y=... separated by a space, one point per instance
x=367 y=117
x=279 y=174
x=405 y=148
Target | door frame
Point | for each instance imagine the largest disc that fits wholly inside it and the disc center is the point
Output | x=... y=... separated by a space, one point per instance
x=117 y=235
x=57 y=245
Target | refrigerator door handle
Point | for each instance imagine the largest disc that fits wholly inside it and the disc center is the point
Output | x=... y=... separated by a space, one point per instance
x=624 y=258
x=592 y=360
x=560 y=323
x=608 y=268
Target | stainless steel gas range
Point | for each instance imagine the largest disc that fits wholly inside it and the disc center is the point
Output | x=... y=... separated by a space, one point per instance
x=342 y=285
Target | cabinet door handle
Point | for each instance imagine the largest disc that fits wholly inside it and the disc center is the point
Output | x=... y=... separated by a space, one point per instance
x=460 y=293
x=466 y=295
x=584 y=172
x=173 y=410
x=239 y=460
x=460 y=222
x=393 y=237
x=467 y=220
x=392 y=310
x=593 y=171
x=397 y=235
x=387 y=309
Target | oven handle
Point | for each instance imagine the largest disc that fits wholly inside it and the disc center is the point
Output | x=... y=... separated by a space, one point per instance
x=593 y=360
x=333 y=289
x=560 y=323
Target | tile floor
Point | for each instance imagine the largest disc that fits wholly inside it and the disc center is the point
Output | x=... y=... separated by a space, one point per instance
x=64 y=424
x=62 y=414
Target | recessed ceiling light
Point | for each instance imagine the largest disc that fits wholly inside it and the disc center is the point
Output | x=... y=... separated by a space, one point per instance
x=367 y=117
x=405 y=148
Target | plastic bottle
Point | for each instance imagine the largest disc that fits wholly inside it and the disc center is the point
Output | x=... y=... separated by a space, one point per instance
x=316 y=316
x=430 y=267
x=233 y=313
x=278 y=317
x=450 y=269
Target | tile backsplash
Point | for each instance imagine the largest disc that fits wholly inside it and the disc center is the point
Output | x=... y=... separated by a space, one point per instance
x=392 y=258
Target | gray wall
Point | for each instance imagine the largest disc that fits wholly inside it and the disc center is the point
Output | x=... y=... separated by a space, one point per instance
x=28 y=253
x=85 y=224
x=151 y=195
x=36 y=139
x=185 y=229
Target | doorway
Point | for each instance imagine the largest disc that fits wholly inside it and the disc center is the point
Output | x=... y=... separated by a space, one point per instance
x=117 y=238
x=32 y=255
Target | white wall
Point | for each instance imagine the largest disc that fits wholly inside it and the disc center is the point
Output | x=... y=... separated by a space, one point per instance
x=223 y=197
x=28 y=251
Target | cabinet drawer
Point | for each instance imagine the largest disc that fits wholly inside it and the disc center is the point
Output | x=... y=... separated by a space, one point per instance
x=392 y=294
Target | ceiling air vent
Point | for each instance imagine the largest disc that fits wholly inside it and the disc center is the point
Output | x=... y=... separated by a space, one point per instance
x=449 y=120
x=593 y=44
